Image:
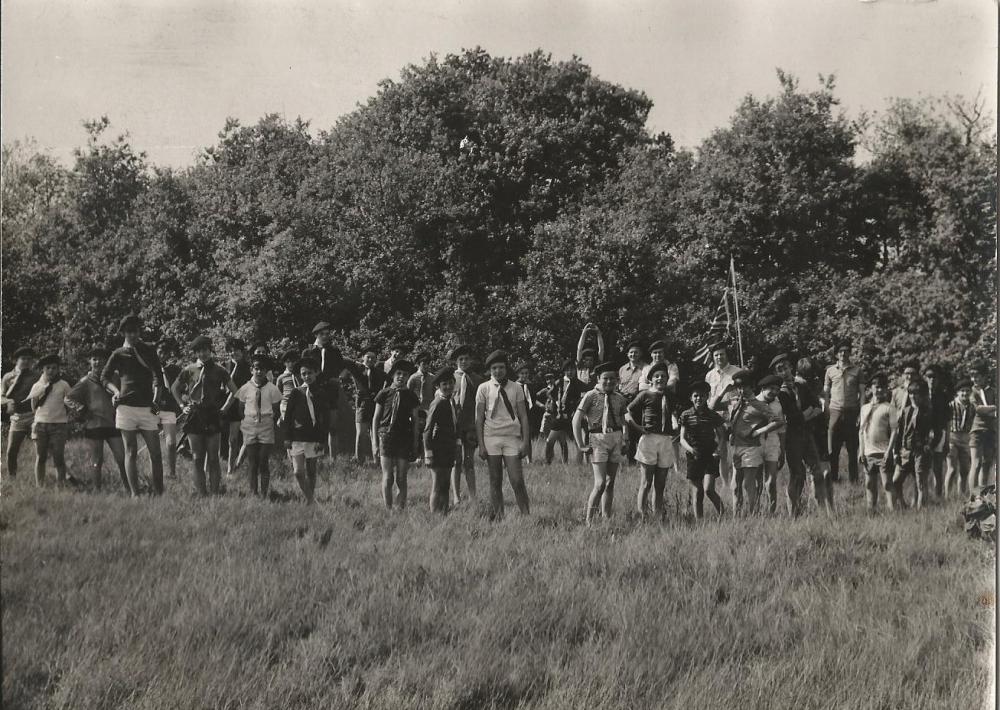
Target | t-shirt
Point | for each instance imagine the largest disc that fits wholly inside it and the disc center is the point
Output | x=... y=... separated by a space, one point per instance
x=499 y=421
x=652 y=410
x=596 y=406
x=876 y=427
x=719 y=381
x=746 y=416
x=699 y=429
x=258 y=411
x=844 y=385
x=398 y=406
x=53 y=409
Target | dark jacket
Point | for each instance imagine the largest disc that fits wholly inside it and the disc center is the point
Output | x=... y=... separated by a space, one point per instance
x=298 y=425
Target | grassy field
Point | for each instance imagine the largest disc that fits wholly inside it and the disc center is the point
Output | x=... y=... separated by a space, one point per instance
x=179 y=602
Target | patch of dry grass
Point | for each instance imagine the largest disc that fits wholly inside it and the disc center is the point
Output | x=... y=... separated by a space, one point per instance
x=179 y=602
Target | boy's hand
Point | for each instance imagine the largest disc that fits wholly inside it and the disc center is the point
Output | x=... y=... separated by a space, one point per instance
x=525 y=450
x=428 y=461
x=482 y=453
x=116 y=398
x=588 y=449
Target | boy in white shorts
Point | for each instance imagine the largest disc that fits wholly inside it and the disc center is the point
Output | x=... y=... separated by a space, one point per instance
x=749 y=420
x=51 y=426
x=650 y=415
x=503 y=432
x=261 y=401
x=774 y=444
x=305 y=418
x=601 y=414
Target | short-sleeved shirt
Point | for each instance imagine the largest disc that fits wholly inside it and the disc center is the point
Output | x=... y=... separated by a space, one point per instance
x=776 y=411
x=629 y=378
x=844 y=385
x=499 y=421
x=208 y=389
x=876 y=427
x=652 y=410
x=673 y=375
x=262 y=412
x=745 y=417
x=422 y=385
x=398 y=407
x=593 y=406
x=53 y=409
x=719 y=381
x=700 y=429
x=962 y=416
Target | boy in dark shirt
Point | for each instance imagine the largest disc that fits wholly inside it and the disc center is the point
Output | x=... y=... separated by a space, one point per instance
x=650 y=415
x=561 y=403
x=396 y=431
x=700 y=429
x=166 y=350
x=15 y=387
x=304 y=418
x=441 y=438
x=913 y=441
x=90 y=397
x=239 y=371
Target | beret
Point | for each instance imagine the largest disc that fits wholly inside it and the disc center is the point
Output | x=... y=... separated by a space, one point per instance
x=769 y=381
x=605 y=367
x=50 y=359
x=201 y=342
x=405 y=365
x=658 y=367
x=98 y=351
x=497 y=356
x=445 y=373
x=129 y=322
x=422 y=356
x=743 y=376
x=700 y=386
x=568 y=364
x=634 y=344
x=843 y=345
x=24 y=351
x=964 y=383
x=459 y=352
x=588 y=351
x=322 y=325
x=657 y=345
x=781 y=357
x=290 y=356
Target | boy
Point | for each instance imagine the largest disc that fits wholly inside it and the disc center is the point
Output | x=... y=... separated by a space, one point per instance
x=421 y=383
x=502 y=432
x=542 y=398
x=982 y=438
x=466 y=385
x=288 y=380
x=587 y=354
x=650 y=415
x=395 y=440
x=842 y=388
x=658 y=354
x=774 y=442
x=913 y=441
x=396 y=352
x=900 y=395
x=441 y=438
x=700 y=427
x=939 y=401
x=239 y=372
x=14 y=390
x=134 y=376
x=601 y=414
x=166 y=350
x=304 y=418
x=962 y=415
x=562 y=401
x=749 y=420
x=90 y=397
x=720 y=396
x=199 y=388
x=261 y=401
x=369 y=381
x=332 y=366
x=51 y=426
x=534 y=408
x=873 y=445
x=629 y=378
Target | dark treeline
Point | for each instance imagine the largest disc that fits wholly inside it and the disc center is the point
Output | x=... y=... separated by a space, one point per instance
x=506 y=202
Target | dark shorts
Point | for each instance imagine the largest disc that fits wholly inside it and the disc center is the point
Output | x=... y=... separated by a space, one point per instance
x=443 y=456
x=700 y=466
x=102 y=433
x=53 y=432
x=556 y=424
x=364 y=410
x=469 y=438
x=983 y=439
x=395 y=445
x=202 y=421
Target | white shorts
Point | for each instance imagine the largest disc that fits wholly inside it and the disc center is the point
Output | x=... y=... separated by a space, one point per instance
x=168 y=417
x=309 y=449
x=136 y=418
x=606 y=448
x=502 y=445
x=257 y=433
x=655 y=450
x=772 y=448
x=748 y=456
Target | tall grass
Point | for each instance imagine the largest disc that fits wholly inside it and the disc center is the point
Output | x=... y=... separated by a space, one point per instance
x=179 y=602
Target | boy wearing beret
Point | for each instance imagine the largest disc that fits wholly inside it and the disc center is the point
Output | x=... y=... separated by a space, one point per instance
x=199 y=388
x=562 y=401
x=774 y=442
x=166 y=351
x=503 y=432
x=749 y=421
x=441 y=438
x=396 y=432
x=239 y=372
x=134 y=376
x=720 y=395
x=466 y=385
x=369 y=379
x=51 y=425
x=843 y=386
x=261 y=401
x=873 y=445
x=14 y=390
x=657 y=355
x=93 y=400
x=650 y=415
x=305 y=426
x=913 y=441
x=939 y=399
x=962 y=414
x=601 y=415
x=396 y=352
x=589 y=350
x=700 y=433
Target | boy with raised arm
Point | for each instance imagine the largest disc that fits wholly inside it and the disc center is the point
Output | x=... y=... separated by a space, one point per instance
x=14 y=389
x=749 y=421
x=589 y=351
x=441 y=438
x=134 y=376
x=650 y=415
x=503 y=432
x=601 y=414
x=700 y=428
x=51 y=426
x=396 y=432
x=90 y=397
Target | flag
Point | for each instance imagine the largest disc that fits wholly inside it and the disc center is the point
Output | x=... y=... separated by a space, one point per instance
x=718 y=331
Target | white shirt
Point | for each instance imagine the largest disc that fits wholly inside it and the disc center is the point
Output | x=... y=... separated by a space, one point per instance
x=673 y=375
x=53 y=409
x=719 y=380
x=498 y=419
x=269 y=396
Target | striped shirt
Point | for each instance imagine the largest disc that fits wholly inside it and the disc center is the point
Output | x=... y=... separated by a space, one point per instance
x=962 y=415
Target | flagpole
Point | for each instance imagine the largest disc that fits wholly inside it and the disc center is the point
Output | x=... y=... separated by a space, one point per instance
x=736 y=306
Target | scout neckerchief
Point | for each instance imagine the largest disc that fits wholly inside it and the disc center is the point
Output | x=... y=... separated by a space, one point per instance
x=47 y=391
x=309 y=404
x=394 y=407
x=257 y=398
x=563 y=396
x=527 y=395
x=608 y=423
x=664 y=414
x=502 y=394
x=18 y=373
x=461 y=386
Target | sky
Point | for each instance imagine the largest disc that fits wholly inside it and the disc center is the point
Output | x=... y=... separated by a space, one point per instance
x=170 y=73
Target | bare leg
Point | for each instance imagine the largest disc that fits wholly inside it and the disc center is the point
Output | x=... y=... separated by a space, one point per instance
x=253 y=464
x=170 y=447
x=388 y=480
x=659 y=484
x=264 y=459
x=708 y=483
x=235 y=436
x=872 y=483
x=95 y=454
x=516 y=477
x=771 y=485
x=311 y=469
x=752 y=478
x=130 y=438
x=198 y=454
x=698 y=498
x=152 y=439
x=58 y=449
x=402 y=468
x=596 y=493
x=213 y=465
x=495 y=466
x=642 y=502
x=14 y=441
x=41 y=456
x=608 y=499
x=118 y=451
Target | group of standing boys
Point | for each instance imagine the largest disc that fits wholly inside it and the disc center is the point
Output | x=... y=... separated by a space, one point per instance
x=728 y=424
